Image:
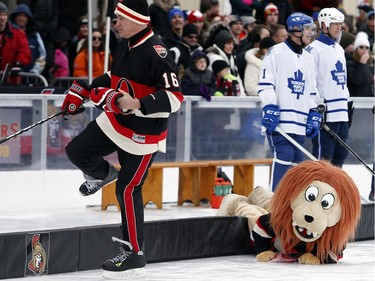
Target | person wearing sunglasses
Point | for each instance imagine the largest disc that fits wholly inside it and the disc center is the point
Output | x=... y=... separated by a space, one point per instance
x=81 y=67
x=184 y=50
x=361 y=68
x=330 y=65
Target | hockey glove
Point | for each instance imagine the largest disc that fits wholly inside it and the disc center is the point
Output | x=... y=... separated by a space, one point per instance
x=106 y=99
x=314 y=120
x=271 y=117
x=77 y=94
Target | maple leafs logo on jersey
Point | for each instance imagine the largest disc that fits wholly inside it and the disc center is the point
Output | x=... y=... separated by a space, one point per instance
x=338 y=74
x=160 y=50
x=297 y=84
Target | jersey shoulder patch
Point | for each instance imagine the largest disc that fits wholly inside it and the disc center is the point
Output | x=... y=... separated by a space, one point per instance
x=160 y=50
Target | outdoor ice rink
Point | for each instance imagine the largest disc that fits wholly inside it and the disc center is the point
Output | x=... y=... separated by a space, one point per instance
x=40 y=200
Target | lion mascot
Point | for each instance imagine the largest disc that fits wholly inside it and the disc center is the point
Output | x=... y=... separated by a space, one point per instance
x=309 y=218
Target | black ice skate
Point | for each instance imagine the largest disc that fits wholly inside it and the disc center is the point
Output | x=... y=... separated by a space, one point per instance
x=127 y=264
x=92 y=185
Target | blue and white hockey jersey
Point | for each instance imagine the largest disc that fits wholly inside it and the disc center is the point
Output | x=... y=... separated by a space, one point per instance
x=331 y=77
x=288 y=79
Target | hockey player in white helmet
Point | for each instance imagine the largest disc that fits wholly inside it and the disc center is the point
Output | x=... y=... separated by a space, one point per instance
x=332 y=86
x=287 y=89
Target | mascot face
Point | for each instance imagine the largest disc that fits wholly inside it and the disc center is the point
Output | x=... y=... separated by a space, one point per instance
x=314 y=209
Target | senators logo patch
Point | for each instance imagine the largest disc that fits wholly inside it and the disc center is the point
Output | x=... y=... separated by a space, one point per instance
x=37 y=250
x=161 y=51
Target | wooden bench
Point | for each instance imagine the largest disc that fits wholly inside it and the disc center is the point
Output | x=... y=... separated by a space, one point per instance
x=195 y=182
x=152 y=189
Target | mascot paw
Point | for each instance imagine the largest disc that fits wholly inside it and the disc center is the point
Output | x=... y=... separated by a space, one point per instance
x=265 y=256
x=308 y=258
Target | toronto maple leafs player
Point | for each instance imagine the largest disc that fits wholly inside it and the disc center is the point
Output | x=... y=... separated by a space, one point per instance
x=287 y=88
x=330 y=64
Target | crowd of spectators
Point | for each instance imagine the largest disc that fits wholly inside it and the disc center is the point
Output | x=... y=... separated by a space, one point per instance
x=57 y=38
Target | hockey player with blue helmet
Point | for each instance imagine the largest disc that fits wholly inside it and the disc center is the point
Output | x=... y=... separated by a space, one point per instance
x=287 y=88
x=331 y=73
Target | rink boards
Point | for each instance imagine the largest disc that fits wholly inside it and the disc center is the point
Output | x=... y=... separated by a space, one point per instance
x=76 y=249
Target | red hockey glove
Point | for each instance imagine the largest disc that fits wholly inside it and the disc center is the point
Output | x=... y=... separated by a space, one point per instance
x=77 y=94
x=106 y=99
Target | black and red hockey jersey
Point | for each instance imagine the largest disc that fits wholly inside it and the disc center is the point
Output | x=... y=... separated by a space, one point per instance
x=143 y=68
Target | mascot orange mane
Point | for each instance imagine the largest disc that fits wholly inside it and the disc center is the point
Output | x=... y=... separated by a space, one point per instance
x=313 y=214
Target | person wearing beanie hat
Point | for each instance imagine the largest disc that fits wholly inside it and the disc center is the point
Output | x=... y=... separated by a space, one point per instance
x=360 y=68
x=220 y=65
x=159 y=11
x=185 y=48
x=175 y=11
x=23 y=19
x=331 y=76
x=3 y=8
x=196 y=17
x=174 y=33
x=223 y=49
x=222 y=38
x=197 y=79
x=78 y=40
x=226 y=83
x=271 y=15
x=254 y=59
x=347 y=42
x=15 y=50
x=142 y=83
x=237 y=30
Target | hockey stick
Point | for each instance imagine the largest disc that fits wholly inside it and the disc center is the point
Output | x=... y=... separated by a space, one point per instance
x=347 y=147
x=321 y=109
x=32 y=126
x=296 y=144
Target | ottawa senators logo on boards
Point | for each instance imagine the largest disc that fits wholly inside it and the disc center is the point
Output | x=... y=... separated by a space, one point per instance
x=160 y=50
x=39 y=257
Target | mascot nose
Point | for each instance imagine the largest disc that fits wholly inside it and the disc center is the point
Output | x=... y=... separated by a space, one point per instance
x=309 y=218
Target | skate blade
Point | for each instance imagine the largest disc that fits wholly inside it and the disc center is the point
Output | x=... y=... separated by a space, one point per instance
x=136 y=273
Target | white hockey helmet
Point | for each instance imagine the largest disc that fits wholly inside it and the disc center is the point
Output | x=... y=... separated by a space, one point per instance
x=330 y=15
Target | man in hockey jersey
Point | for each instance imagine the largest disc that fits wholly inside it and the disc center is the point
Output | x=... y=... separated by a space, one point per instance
x=137 y=97
x=331 y=77
x=287 y=89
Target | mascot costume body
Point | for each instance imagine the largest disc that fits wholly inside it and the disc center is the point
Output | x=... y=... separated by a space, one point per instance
x=310 y=217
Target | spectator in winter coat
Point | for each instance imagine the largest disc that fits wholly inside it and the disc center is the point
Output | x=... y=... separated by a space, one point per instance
x=23 y=19
x=369 y=27
x=61 y=63
x=81 y=68
x=77 y=41
x=159 y=15
x=198 y=80
x=223 y=50
x=183 y=51
x=14 y=49
x=174 y=33
x=196 y=17
x=226 y=83
x=45 y=15
x=360 y=69
x=254 y=58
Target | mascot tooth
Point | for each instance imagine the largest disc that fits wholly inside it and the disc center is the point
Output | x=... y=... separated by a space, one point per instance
x=310 y=217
